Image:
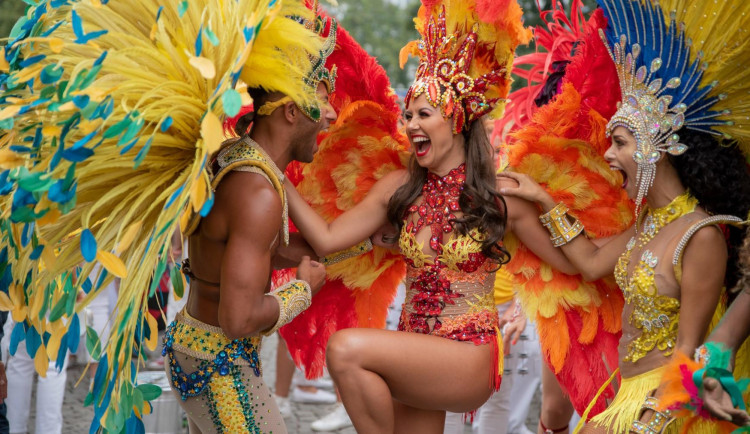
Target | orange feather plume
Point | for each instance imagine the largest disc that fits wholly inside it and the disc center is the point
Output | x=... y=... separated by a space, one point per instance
x=362 y=146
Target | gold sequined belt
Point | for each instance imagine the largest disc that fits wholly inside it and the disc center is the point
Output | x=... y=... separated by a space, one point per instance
x=204 y=341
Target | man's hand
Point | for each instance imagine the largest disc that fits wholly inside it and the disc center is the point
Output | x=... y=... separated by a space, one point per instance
x=3 y=384
x=312 y=272
x=717 y=401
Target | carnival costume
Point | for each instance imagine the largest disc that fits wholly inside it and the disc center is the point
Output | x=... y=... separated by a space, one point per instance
x=464 y=53
x=110 y=113
x=675 y=68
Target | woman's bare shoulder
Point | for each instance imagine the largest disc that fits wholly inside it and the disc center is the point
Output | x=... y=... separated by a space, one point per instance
x=393 y=180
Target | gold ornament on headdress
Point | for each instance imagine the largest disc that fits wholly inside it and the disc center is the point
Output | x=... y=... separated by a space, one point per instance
x=318 y=72
x=445 y=81
x=465 y=72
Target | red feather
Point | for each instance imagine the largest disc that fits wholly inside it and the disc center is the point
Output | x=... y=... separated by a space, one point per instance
x=358 y=149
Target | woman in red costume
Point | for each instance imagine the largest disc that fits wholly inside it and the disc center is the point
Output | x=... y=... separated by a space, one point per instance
x=450 y=220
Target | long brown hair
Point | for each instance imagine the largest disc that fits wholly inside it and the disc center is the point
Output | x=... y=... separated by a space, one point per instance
x=482 y=206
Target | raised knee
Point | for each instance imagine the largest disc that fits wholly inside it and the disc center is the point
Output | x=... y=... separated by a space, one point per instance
x=342 y=351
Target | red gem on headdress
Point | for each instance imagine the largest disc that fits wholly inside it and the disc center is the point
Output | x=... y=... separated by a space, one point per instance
x=432 y=90
x=448 y=105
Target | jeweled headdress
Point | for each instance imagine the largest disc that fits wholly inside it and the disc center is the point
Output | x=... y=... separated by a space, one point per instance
x=318 y=71
x=465 y=56
x=688 y=72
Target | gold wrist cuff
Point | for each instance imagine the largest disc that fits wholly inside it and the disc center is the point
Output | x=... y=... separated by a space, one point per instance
x=658 y=422
x=294 y=297
x=558 y=224
x=363 y=247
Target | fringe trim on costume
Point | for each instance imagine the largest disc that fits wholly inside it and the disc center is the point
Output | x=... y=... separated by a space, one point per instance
x=627 y=403
x=498 y=361
x=593 y=402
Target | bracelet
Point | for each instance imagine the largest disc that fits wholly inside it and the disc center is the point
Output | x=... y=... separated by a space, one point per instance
x=294 y=297
x=557 y=223
x=363 y=247
x=658 y=422
x=702 y=355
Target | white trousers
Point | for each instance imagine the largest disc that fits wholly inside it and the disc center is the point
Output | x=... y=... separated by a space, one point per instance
x=49 y=394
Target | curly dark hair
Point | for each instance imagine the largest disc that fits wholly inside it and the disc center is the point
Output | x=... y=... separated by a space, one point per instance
x=715 y=172
x=482 y=206
x=743 y=283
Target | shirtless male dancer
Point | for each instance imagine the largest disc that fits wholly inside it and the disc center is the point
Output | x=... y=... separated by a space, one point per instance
x=212 y=347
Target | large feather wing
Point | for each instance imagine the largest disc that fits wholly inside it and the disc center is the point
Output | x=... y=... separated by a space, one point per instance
x=360 y=148
x=108 y=115
x=561 y=145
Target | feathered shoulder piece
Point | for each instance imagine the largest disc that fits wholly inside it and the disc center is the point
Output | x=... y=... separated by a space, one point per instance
x=465 y=53
x=362 y=146
x=108 y=114
x=559 y=139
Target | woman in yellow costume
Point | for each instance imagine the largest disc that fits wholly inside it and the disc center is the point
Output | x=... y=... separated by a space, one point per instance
x=109 y=114
x=678 y=139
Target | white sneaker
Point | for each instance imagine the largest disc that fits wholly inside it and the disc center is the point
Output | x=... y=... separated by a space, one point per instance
x=320 y=383
x=317 y=397
x=285 y=407
x=333 y=421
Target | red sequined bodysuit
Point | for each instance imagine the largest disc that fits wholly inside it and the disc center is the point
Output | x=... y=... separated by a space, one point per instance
x=451 y=295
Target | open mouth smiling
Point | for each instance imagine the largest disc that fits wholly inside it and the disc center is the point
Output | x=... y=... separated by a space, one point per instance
x=422 y=145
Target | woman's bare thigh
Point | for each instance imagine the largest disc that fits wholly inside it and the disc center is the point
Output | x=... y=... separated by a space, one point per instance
x=421 y=371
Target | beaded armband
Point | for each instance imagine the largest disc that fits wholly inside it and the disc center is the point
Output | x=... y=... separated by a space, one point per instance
x=334 y=258
x=560 y=229
x=657 y=423
x=293 y=298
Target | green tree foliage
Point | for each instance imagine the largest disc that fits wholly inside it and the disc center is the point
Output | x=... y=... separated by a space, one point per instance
x=10 y=11
x=382 y=27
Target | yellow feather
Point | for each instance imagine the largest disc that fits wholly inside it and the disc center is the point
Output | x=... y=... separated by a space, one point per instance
x=721 y=31
x=212 y=133
x=154 y=336
x=5 y=303
x=112 y=263
x=41 y=362
x=128 y=236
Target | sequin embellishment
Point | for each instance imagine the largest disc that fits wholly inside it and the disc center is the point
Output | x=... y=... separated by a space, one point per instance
x=656 y=315
x=218 y=375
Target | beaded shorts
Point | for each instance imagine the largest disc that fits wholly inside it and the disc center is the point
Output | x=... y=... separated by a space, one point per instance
x=218 y=380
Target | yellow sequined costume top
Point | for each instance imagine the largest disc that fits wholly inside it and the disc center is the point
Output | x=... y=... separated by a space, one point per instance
x=650 y=316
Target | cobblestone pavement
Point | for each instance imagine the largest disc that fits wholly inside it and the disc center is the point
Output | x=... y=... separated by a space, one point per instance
x=76 y=417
